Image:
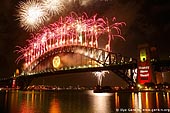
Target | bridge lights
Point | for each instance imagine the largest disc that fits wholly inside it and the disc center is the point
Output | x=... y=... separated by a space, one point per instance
x=140 y=86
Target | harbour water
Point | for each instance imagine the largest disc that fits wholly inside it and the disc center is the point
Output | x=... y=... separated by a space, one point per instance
x=83 y=101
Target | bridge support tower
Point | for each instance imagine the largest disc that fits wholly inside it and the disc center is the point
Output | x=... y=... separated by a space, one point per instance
x=14 y=82
x=14 y=85
x=145 y=70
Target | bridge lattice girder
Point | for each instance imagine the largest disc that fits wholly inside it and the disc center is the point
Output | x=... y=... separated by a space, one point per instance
x=105 y=61
x=102 y=57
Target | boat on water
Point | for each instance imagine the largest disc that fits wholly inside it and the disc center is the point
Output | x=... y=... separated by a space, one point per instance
x=103 y=89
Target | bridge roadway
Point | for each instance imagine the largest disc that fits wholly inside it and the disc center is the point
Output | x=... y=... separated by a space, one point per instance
x=121 y=70
x=24 y=80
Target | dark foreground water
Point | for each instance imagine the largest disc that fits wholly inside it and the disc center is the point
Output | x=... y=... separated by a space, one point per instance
x=83 y=102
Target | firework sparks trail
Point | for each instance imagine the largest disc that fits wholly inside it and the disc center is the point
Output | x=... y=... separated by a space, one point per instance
x=100 y=75
x=69 y=30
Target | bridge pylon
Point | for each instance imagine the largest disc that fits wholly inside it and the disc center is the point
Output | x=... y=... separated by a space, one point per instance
x=14 y=78
x=146 y=55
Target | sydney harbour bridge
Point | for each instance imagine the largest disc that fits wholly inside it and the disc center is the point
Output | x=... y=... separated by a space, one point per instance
x=74 y=44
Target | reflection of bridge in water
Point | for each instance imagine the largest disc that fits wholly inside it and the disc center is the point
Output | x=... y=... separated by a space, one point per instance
x=75 y=44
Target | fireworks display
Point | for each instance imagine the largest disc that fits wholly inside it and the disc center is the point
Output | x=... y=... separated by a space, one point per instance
x=70 y=30
x=33 y=13
x=53 y=7
x=100 y=75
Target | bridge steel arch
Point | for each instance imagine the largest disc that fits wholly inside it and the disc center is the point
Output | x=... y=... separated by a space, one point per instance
x=77 y=35
x=99 y=60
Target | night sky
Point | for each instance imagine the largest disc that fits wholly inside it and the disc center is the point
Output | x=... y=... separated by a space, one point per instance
x=148 y=21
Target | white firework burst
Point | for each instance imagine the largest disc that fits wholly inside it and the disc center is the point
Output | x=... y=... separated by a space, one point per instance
x=100 y=75
x=53 y=7
x=31 y=15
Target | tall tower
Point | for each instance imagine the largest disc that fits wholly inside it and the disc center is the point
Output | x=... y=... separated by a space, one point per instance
x=14 y=78
x=145 y=72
